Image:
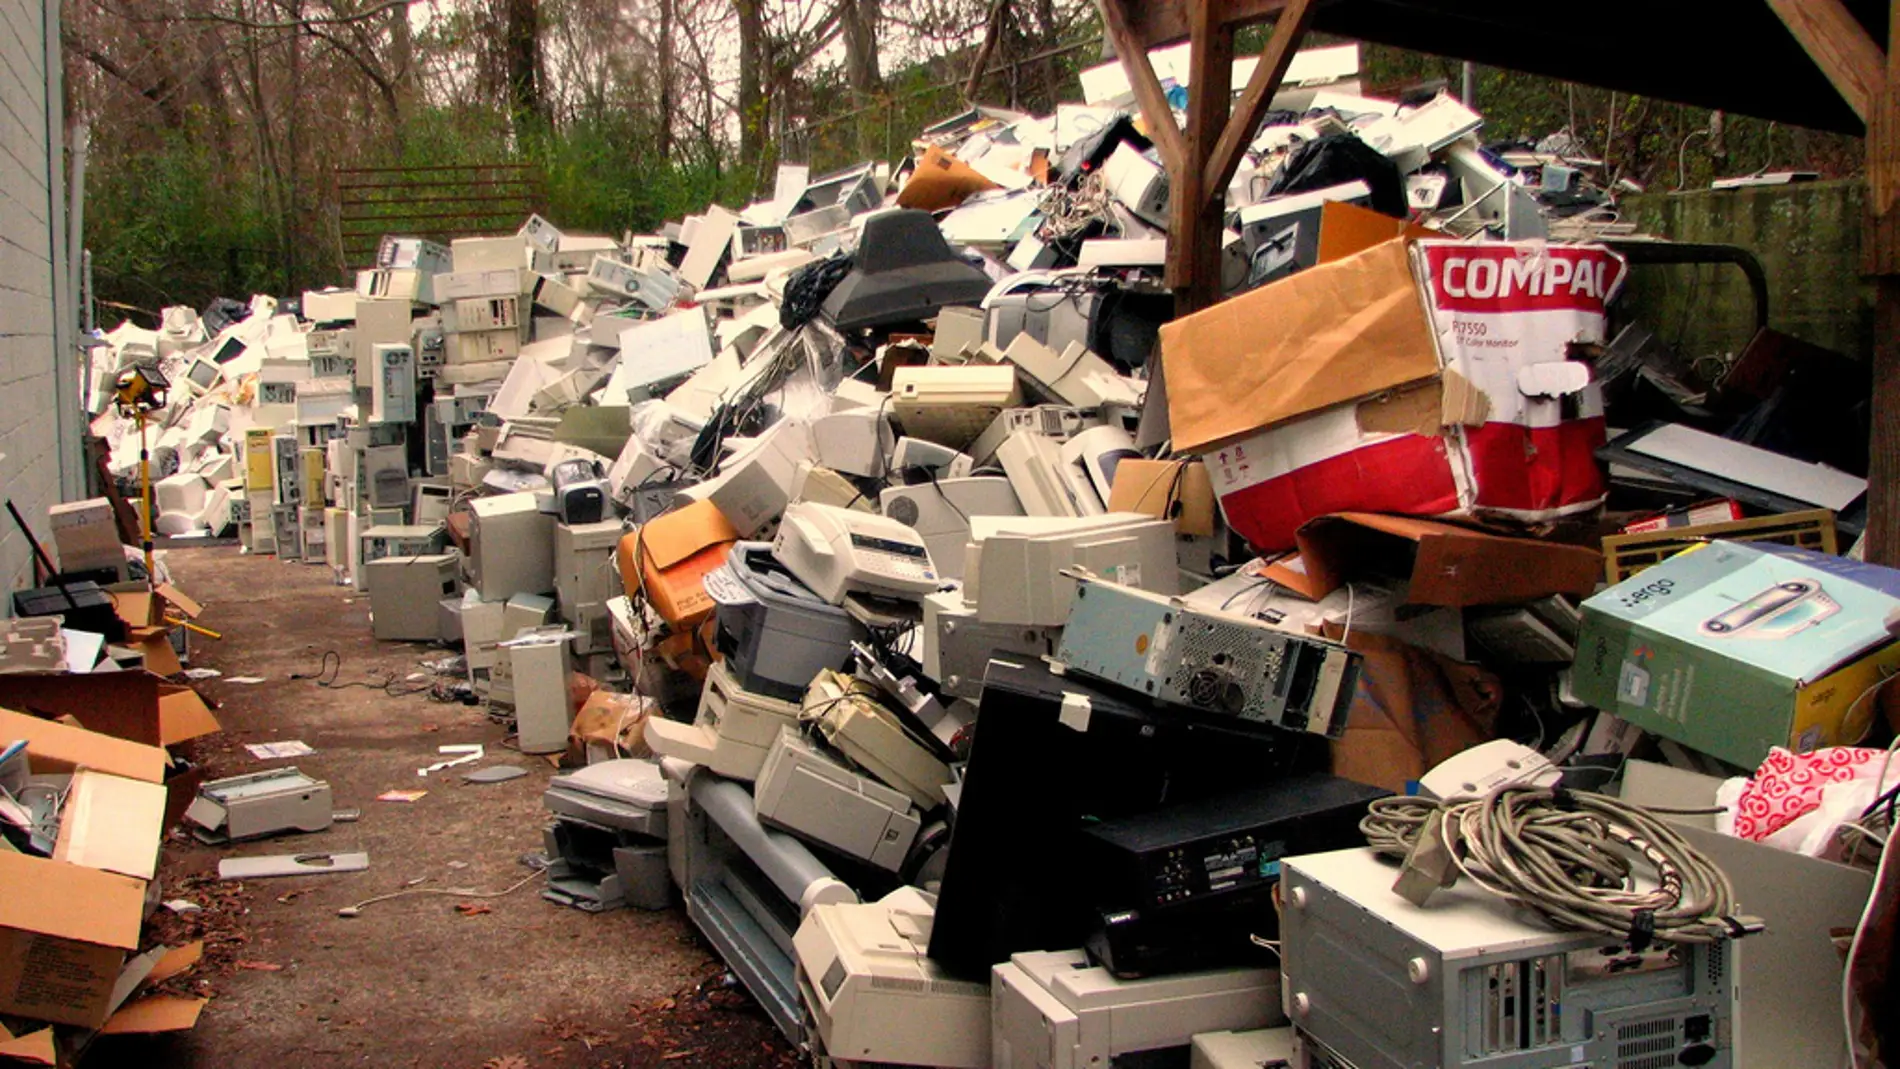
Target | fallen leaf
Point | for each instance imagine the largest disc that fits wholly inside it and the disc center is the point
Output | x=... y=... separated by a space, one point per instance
x=677 y=1055
x=506 y=1061
x=290 y=896
x=471 y=909
x=259 y=966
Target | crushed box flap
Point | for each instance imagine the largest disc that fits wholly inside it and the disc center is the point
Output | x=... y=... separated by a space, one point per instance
x=156 y=1013
x=1331 y=334
x=1447 y=565
x=183 y=715
x=34 y=1048
x=1346 y=229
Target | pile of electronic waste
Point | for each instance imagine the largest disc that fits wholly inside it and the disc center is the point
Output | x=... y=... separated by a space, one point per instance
x=996 y=705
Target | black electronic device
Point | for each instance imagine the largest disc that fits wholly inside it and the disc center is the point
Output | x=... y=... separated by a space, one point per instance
x=84 y=606
x=1050 y=754
x=904 y=272
x=1184 y=854
x=1217 y=934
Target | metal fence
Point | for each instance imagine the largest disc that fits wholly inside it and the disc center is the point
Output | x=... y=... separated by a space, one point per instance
x=440 y=203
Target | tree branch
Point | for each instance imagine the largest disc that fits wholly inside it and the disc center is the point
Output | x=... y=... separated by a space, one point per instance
x=249 y=24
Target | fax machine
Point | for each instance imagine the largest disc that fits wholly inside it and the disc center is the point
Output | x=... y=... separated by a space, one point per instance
x=837 y=551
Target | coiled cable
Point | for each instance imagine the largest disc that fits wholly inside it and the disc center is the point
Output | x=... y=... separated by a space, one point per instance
x=1568 y=855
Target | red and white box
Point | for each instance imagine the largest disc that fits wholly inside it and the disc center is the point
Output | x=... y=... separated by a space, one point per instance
x=1507 y=430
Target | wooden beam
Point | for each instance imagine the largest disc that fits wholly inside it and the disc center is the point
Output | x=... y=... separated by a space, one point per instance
x=1257 y=97
x=1194 y=247
x=1161 y=22
x=1881 y=241
x=1840 y=48
x=1159 y=117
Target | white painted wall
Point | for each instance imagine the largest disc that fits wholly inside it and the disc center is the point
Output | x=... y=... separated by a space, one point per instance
x=34 y=304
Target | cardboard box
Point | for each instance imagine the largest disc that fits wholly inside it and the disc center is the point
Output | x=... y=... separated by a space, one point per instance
x=1429 y=381
x=1441 y=564
x=667 y=561
x=65 y=931
x=86 y=535
x=1789 y=976
x=137 y=706
x=68 y=922
x=53 y=747
x=1733 y=648
x=1166 y=489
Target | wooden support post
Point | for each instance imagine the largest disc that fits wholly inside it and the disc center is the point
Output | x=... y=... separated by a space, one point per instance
x=1882 y=254
x=1194 y=211
x=1153 y=100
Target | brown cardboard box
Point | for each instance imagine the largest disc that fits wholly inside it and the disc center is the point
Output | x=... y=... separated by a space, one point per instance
x=138 y=706
x=668 y=559
x=65 y=931
x=1346 y=229
x=1447 y=565
x=1164 y=489
x=55 y=747
x=1337 y=332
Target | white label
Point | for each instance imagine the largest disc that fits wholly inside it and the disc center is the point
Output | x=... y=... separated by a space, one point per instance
x=1076 y=711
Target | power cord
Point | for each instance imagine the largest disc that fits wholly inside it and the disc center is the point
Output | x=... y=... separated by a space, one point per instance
x=1564 y=854
x=331 y=666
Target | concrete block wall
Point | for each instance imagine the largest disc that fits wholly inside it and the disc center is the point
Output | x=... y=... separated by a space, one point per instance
x=1807 y=237
x=31 y=264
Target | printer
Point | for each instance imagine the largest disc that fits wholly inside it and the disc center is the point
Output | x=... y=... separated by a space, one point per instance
x=1012 y=571
x=731 y=732
x=957 y=644
x=607 y=844
x=874 y=997
x=940 y=511
x=1047 y=482
x=837 y=551
x=814 y=796
x=847 y=715
x=259 y=804
x=773 y=631
x=1052 y=1010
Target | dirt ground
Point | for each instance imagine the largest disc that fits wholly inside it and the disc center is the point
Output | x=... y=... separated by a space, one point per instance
x=436 y=980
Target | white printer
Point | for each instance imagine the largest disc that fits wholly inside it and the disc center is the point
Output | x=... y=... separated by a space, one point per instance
x=814 y=796
x=1053 y=1010
x=731 y=732
x=876 y=998
x=607 y=845
x=837 y=551
x=940 y=510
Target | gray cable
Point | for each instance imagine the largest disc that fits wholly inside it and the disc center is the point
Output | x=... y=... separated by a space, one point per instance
x=1568 y=856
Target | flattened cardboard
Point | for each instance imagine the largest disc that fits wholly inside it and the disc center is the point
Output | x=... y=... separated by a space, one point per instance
x=159 y=657
x=156 y=1013
x=1447 y=565
x=1412 y=709
x=1324 y=336
x=138 y=706
x=1153 y=488
x=57 y=747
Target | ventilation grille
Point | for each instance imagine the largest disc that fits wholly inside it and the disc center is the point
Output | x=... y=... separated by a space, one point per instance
x=1717 y=954
x=1222 y=666
x=1647 y=1044
x=1520 y=1006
